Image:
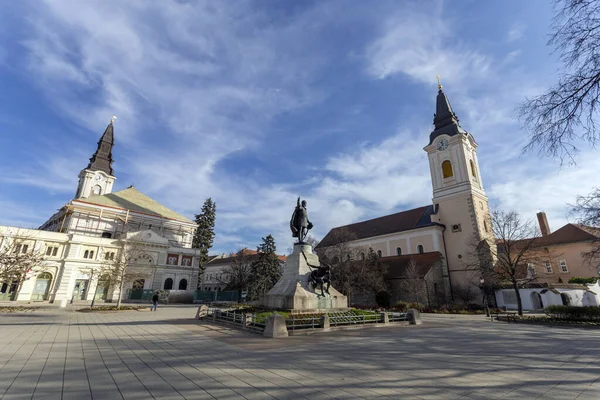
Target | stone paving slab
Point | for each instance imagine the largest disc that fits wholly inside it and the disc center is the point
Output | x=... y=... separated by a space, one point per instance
x=58 y=354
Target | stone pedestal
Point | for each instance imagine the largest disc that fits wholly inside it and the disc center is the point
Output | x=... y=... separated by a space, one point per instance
x=293 y=292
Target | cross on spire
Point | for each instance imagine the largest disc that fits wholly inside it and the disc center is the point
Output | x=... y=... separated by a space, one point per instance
x=439 y=84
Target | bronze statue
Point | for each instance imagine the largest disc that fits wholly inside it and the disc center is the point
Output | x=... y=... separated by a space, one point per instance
x=319 y=276
x=299 y=224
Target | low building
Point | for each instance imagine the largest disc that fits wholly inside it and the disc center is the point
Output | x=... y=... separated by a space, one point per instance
x=215 y=276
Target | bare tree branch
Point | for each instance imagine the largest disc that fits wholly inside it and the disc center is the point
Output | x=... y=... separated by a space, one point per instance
x=567 y=112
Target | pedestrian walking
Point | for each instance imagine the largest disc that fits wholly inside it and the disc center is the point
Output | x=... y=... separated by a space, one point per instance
x=154 y=301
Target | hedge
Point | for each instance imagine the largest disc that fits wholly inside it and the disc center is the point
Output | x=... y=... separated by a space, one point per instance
x=572 y=313
x=578 y=279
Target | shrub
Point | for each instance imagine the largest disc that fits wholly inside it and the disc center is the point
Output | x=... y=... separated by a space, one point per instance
x=580 y=280
x=416 y=306
x=401 y=305
x=589 y=313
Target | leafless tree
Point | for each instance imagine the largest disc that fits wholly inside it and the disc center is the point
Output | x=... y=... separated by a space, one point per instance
x=567 y=112
x=587 y=209
x=355 y=269
x=413 y=284
x=514 y=255
x=466 y=294
x=237 y=275
x=131 y=263
x=17 y=257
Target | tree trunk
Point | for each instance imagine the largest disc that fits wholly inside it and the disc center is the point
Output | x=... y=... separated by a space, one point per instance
x=120 y=292
x=519 y=303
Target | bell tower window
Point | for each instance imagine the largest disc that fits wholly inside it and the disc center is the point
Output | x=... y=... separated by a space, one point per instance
x=473 y=172
x=447 y=169
x=97 y=190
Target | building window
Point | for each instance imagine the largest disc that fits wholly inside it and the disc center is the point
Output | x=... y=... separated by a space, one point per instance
x=21 y=248
x=168 y=284
x=379 y=254
x=473 y=169
x=563 y=266
x=398 y=251
x=447 y=169
x=362 y=256
x=548 y=268
x=97 y=190
x=183 y=284
x=172 y=259
x=485 y=226
x=86 y=254
x=107 y=235
x=52 y=251
x=186 y=261
x=420 y=249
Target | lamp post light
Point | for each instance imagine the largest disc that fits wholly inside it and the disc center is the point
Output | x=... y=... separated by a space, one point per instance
x=485 y=303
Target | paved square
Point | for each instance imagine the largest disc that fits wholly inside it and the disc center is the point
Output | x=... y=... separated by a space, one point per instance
x=54 y=354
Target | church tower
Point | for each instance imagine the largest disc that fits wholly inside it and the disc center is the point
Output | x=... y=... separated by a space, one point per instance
x=98 y=177
x=459 y=200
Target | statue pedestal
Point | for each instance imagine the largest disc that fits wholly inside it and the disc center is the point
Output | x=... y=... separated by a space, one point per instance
x=293 y=291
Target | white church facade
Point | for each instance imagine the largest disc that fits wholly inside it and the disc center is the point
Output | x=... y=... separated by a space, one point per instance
x=436 y=236
x=94 y=232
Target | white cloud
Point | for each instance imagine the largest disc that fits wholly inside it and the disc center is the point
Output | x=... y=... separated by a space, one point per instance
x=516 y=32
x=421 y=45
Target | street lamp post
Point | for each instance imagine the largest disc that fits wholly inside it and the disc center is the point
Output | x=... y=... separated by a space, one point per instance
x=485 y=303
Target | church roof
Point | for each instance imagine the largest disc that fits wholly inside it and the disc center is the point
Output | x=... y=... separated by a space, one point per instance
x=134 y=200
x=399 y=222
x=444 y=119
x=102 y=159
x=398 y=266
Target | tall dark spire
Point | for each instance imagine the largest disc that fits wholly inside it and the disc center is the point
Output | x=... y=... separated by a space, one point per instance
x=445 y=120
x=102 y=158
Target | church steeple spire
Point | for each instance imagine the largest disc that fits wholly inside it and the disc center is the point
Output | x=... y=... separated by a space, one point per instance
x=445 y=120
x=102 y=159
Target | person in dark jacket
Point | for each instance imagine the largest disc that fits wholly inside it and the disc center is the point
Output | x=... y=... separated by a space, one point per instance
x=154 y=301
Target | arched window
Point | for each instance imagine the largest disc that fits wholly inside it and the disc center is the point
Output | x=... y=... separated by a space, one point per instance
x=420 y=249
x=97 y=190
x=447 y=169
x=398 y=251
x=379 y=254
x=183 y=284
x=473 y=169
x=92 y=254
x=86 y=254
x=362 y=256
x=168 y=284
x=485 y=226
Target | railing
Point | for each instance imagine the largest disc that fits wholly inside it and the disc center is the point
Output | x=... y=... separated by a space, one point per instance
x=248 y=321
x=397 y=317
x=301 y=322
x=295 y=323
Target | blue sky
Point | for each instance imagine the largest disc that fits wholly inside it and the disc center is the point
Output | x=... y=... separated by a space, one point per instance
x=254 y=103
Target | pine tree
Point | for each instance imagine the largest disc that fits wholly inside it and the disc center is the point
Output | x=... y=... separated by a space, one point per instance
x=266 y=270
x=205 y=233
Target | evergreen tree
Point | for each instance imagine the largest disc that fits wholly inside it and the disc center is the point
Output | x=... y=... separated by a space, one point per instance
x=205 y=233
x=266 y=270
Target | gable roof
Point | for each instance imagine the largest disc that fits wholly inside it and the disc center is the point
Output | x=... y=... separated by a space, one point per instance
x=398 y=222
x=225 y=260
x=134 y=200
x=569 y=233
x=398 y=265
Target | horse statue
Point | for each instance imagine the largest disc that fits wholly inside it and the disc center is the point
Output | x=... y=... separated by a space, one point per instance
x=319 y=276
